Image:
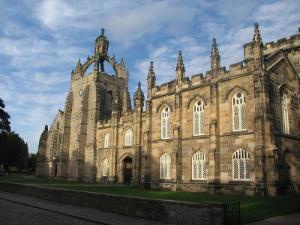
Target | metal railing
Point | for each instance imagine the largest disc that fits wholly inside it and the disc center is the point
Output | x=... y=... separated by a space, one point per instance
x=232 y=213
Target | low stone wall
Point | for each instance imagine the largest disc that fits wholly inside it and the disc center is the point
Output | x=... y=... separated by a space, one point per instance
x=172 y=212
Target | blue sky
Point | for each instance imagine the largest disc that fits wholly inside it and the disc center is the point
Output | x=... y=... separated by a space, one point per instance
x=41 y=41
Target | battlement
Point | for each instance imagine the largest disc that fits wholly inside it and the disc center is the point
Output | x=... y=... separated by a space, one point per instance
x=104 y=124
x=165 y=88
x=293 y=40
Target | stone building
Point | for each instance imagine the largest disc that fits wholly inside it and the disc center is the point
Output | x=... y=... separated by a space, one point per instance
x=234 y=130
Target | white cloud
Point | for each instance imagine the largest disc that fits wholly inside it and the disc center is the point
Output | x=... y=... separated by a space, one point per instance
x=39 y=48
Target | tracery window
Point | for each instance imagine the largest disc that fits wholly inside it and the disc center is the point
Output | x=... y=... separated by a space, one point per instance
x=105 y=168
x=284 y=113
x=241 y=165
x=239 y=112
x=106 y=140
x=165 y=166
x=199 y=166
x=198 y=118
x=165 y=117
x=128 y=138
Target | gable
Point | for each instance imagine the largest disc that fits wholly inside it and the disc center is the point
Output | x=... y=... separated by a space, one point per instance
x=279 y=64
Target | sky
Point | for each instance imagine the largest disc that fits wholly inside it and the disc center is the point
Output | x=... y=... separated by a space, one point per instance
x=41 y=41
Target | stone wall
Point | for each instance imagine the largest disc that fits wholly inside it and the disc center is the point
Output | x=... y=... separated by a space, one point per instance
x=167 y=211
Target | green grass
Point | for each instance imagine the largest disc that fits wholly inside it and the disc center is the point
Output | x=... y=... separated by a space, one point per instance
x=252 y=208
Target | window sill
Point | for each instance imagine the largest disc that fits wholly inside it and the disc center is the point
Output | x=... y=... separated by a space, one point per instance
x=248 y=181
x=128 y=146
x=243 y=132
x=166 y=180
x=198 y=181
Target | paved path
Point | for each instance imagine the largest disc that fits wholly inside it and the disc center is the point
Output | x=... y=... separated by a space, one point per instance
x=24 y=210
x=293 y=219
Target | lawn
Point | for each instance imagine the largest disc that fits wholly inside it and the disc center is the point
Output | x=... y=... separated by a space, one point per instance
x=252 y=208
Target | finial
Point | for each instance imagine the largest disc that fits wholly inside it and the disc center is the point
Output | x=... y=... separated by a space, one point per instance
x=180 y=59
x=46 y=127
x=102 y=32
x=215 y=56
x=180 y=64
x=151 y=68
x=214 y=47
x=139 y=85
x=214 y=42
x=257 y=36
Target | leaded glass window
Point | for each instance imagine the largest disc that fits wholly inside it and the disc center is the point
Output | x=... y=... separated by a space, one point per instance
x=241 y=165
x=105 y=168
x=106 y=140
x=128 y=138
x=199 y=166
x=198 y=118
x=165 y=117
x=239 y=112
x=165 y=166
x=284 y=114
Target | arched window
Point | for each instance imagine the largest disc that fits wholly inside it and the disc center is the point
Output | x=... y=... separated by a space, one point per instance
x=165 y=166
x=128 y=138
x=241 y=165
x=165 y=116
x=284 y=113
x=198 y=118
x=106 y=140
x=105 y=168
x=239 y=112
x=199 y=166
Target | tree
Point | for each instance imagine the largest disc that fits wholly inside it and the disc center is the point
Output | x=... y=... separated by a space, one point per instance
x=4 y=118
x=13 y=149
x=32 y=162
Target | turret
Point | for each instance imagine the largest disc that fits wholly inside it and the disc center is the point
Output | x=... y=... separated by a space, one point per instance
x=215 y=57
x=151 y=79
x=257 y=47
x=101 y=49
x=180 y=69
x=43 y=144
x=78 y=71
x=126 y=102
x=139 y=98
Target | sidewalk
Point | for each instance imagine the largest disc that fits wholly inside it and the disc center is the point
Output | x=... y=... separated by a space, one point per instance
x=19 y=209
x=292 y=219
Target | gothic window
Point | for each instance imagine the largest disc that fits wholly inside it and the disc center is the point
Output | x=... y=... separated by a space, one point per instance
x=241 y=165
x=105 y=168
x=284 y=113
x=106 y=140
x=165 y=166
x=199 y=166
x=165 y=117
x=239 y=112
x=198 y=118
x=128 y=138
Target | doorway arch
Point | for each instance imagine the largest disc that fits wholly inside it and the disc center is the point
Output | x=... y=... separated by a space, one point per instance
x=127 y=170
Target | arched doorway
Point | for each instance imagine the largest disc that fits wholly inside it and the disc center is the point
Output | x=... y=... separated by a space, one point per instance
x=127 y=170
